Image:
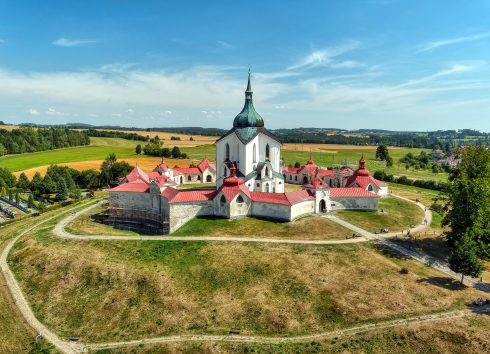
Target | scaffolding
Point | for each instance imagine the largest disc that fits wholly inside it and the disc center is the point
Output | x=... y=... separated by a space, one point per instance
x=132 y=219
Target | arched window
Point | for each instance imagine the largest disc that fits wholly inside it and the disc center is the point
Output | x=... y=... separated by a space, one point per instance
x=208 y=178
x=280 y=182
x=295 y=178
x=255 y=152
x=267 y=171
x=370 y=188
x=290 y=177
x=227 y=151
x=267 y=188
x=224 y=171
x=223 y=199
x=267 y=151
x=258 y=185
x=239 y=199
x=188 y=178
x=198 y=178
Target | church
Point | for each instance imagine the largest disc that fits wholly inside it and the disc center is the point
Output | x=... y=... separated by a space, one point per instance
x=250 y=182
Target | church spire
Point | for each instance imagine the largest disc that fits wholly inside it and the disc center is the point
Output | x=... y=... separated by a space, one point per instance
x=248 y=117
x=249 y=86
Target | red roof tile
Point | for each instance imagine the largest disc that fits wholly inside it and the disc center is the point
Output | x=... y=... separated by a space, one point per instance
x=188 y=171
x=153 y=175
x=136 y=186
x=299 y=196
x=231 y=192
x=351 y=192
x=205 y=164
x=136 y=174
x=274 y=198
x=193 y=196
x=290 y=169
x=169 y=193
x=326 y=172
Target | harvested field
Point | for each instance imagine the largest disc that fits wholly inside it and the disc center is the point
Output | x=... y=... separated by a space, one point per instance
x=8 y=127
x=147 y=164
x=330 y=148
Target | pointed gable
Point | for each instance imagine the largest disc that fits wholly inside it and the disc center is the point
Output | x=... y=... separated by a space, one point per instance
x=137 y=173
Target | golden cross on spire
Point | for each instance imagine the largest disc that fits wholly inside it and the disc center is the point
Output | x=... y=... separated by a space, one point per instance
x=249 y=66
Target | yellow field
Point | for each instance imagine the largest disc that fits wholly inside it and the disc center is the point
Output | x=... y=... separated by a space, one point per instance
x=8 y=127
x=185 y=139
x=147 y=164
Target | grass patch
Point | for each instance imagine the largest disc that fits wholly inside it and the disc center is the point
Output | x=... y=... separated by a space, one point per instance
x=398 y=215
x=114 y=291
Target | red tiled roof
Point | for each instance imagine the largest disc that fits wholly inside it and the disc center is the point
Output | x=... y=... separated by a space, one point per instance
x=363 y=181
x=324 y=173
x=169 y=193
x=299 y=196
x=231 y=192
x=274 y=198
x=176 y=172
x=136 y=186
x=163 y=179
x=188 y=171
x=290 y=169
x=153 y=175
x=316 y=182
x=310 y=167
x=136 y=174
x=193 y=196
x=351 y=192
x=205 y=164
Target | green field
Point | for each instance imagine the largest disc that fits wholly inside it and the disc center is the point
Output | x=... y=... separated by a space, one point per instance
x=101 y=147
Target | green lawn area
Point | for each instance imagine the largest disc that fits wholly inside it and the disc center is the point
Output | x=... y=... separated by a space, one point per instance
x=400 y=170
x=425 y=196
x=398 y=215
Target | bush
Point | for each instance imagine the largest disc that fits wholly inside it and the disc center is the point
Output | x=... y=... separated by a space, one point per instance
x=404 y=270
x=438 y=208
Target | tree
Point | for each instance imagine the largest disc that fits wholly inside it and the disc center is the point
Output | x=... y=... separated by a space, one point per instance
x=389 y=161
x=8 y=177
x=297 y=164
x=11 y=195
x=192 y=165
x=2 y=183
x=467 y=199
x=176 y=152
x=379 y=175
x=36 y=182
x=183 y=156
x=17 y=198
x=24 y=182
x=30 y=200
x=76 y=194
x=48 y=186
x=61 y=190
x=463 y=258
x=4 y=191
x=138 y=149
x=191 y=139
x=166 y=152
x=382 y=152
x=41 y=207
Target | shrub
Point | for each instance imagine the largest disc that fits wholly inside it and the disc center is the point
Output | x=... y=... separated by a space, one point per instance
x=404 y=270
x=438 y=208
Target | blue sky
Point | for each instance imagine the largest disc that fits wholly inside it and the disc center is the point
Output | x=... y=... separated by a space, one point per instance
x=385 y=64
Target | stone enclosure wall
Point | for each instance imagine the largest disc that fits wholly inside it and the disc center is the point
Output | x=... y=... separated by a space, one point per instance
x=354 y=203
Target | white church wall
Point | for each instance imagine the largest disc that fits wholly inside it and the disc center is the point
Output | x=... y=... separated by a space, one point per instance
x=130 y=199
x=383 y=191
x=208 y=172
x=249 y=161
x=240 y=210
x=274 y=151
x=354 y=203
x=302 y=208
x=270 y=210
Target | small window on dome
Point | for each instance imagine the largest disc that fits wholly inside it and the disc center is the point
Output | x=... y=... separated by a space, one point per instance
x=258 y=185
x=370 y=188
x=223 y=199
x=239 y=199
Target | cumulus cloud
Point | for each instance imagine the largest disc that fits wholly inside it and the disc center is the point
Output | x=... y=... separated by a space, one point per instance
x=116 y=114
x=92 y=115
x=54 y=112
x=129 y=111
x=32 y=111
x=64 y=42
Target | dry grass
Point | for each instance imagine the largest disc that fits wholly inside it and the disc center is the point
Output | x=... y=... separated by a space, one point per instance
x=185 y=139
x=288 y=187
x=122 y=290
x=8 y=127
x=147 y=164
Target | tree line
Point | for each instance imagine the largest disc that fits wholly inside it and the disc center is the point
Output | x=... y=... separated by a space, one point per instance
x=29 y=139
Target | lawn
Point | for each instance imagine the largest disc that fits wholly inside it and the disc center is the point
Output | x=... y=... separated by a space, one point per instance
x=307 y=228
x=398 y=215
x=425 y=196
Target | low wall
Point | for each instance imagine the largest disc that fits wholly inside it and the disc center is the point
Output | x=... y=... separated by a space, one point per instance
x=306 y=207
x=354 y=203
x=270 y=210
x=181 y=213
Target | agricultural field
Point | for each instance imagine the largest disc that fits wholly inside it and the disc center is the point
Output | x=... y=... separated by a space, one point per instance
x=121 y=290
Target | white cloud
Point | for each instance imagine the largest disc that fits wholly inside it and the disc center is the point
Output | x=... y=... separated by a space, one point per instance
x=204 y=112
x=64 y=42
x=92 y=115
x=2 y=40
x=54 y=112
x=224 y=44
x=323 y=57
x=347 y=64
x=130 y=111
x=433 y=45
x=33 y=111
x=116 y=114
x=166 y=113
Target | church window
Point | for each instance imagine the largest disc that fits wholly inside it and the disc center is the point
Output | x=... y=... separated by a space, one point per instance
x=198 y=178
x=267 y=188
x=208 y=178
x=267 y=151
x=295 y=178
x=370 y=188
x=290 y=177
x=227 y=151
x=258 y=185
x=239 y=199
x=223 y=199
x=188 y=178
x=255 y=153
x=224 y=171
x=267 y=172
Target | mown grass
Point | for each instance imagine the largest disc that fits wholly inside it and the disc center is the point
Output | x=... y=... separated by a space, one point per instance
x=425 y=196
x=114 y=291
x=398 y=215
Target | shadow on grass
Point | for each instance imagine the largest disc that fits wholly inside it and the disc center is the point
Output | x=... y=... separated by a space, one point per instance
x=389 y=252
x=448 y=283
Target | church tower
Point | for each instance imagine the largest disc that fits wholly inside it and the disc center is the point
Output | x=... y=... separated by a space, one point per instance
x=254 y=150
